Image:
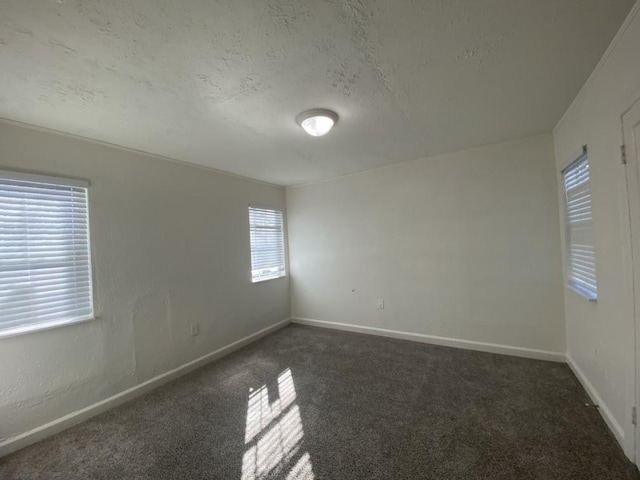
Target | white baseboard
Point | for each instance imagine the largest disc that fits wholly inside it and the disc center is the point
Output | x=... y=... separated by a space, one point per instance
x=444 y=341
x=32 y=436
x=608 y=417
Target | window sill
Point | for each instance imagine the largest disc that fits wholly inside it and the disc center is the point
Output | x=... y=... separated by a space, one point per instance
x=583 y=293
x=261 y=280
x=39 y=327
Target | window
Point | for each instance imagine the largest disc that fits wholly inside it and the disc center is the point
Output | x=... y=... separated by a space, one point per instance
x=581 y=268
x=45 y=260
x=267 y=243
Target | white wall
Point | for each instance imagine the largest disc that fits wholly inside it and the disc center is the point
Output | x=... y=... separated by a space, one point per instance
x=600 y=336
x=170 y=247
x=464 y=245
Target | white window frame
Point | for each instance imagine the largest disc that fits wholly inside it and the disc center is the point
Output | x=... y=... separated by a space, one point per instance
x=28 y=326
x=580 y=268
x=278 y=271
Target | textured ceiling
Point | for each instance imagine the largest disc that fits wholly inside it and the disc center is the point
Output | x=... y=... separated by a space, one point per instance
x=219 y=83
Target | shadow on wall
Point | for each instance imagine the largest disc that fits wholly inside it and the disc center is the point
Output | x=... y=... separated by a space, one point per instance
x=274 y=436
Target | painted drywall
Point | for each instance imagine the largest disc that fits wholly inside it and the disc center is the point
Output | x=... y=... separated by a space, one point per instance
x=463 y=246
x=170 y=247
x=600 y=335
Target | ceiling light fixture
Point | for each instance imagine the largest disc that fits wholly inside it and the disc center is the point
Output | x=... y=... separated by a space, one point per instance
x=317 y=122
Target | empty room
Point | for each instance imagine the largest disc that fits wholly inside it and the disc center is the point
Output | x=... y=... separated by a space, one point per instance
x=319 y=240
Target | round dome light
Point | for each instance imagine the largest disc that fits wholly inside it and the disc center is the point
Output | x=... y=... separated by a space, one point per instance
x=317 y=122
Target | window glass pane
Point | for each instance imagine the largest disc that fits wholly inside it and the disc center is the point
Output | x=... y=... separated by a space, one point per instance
x=580 y=239
x=45 y=260
x=267 y=243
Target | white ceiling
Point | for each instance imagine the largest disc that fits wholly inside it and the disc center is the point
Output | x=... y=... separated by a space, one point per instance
x=219 y=83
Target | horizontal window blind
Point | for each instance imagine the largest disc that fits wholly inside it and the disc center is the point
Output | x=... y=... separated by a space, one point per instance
x=45 y=264
x=267 y=243
x=580 y=239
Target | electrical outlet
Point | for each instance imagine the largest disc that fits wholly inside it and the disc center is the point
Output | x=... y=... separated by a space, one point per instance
x=381 y=303
x=195 y=329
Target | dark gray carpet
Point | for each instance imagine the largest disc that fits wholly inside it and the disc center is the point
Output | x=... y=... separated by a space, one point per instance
x=343 y=406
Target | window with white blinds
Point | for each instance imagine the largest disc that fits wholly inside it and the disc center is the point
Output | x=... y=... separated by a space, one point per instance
x=581 y=268
x=45 y=261
x=267 y=243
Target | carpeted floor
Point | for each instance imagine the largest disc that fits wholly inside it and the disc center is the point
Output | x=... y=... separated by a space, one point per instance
x=310 y=403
